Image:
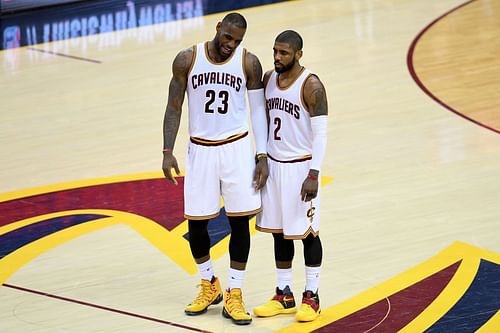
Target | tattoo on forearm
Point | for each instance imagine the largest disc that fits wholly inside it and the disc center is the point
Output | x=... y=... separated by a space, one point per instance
x=176 y=92
x=170 y=127
x=172 y=117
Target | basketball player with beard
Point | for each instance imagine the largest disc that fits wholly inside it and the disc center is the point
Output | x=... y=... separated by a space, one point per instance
x=217 y=75
x=297 y=112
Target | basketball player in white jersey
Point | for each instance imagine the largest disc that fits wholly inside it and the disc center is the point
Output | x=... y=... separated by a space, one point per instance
x=297 y=111
x=217 y=75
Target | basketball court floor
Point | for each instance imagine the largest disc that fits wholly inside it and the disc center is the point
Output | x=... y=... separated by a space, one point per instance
x=92 y=238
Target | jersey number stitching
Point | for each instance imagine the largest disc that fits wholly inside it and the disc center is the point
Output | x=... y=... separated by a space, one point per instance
x=277 y=122
x=223 y=96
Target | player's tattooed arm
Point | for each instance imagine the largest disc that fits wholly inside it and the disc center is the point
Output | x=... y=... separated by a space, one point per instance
x=316 y=102
x=253 y=70
x=176 y=91
x=315 y=97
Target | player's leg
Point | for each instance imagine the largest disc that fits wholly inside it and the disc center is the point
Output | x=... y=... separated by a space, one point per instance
x=301 y=220
x=284 y=251
x=283 y=301
x=239 y=248
x=241 y=200
x=313 y=255
x=211 y=292
x=202 y=202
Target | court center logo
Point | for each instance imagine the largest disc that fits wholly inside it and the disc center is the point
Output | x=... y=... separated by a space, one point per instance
x=35 y=220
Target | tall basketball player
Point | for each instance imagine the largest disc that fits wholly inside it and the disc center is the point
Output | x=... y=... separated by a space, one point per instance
x=297 y=108
x=217 y=75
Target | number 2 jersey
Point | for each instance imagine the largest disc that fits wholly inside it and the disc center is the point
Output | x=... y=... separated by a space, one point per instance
x=290 y=133
x=216 y=95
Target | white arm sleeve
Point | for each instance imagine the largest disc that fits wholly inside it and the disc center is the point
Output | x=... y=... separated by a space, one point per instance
x=319 y=126
x=256 y=100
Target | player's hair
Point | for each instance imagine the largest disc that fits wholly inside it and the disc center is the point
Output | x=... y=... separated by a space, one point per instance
x=235 y=19
x=292 y=38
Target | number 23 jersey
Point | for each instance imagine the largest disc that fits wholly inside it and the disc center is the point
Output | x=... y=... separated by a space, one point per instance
x=216 y=95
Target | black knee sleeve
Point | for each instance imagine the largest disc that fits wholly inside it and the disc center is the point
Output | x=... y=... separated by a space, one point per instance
x=313 y=251
x=284 y=249
x=239 y=241
x=199 y=240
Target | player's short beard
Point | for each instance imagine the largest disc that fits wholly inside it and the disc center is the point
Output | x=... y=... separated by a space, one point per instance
x=285 y=68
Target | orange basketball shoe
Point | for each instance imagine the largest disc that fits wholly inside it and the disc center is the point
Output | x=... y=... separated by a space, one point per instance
x=210 y=293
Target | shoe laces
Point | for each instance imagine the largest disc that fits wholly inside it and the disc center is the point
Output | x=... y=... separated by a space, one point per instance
x=281 y=294
x=310 y=299
x=235 y=303
x=205 y=294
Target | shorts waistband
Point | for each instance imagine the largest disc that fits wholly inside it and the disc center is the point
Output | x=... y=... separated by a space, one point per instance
x=205 y=142
x=300 y=159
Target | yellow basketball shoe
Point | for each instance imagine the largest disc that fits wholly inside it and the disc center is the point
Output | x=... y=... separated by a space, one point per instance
x=234 y=307
x=309 y=309
x=281 y=303
x=210 y=293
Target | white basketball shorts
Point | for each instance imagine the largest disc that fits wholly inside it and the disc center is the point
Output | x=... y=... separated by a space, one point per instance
x=283 y=210
x=224 y=170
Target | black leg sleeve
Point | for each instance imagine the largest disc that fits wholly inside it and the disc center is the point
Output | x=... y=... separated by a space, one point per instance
x=199 y=240
x=284 y=249
x=313 y=251
x=239 y=241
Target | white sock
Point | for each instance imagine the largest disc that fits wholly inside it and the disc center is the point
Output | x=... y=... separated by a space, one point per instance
x=236 y=278
x=206 y=270
x=312 y=278
x=284 y=277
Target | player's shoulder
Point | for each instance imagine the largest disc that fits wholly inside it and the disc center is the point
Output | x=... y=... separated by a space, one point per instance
x=251 y=58
x=267 y=76
x=313 y=82
x=312 y=77
x=186 y=53
x=184 y=59
x=253 y=68
x=314 y=95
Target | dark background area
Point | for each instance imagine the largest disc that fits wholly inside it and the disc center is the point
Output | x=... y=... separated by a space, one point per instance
x=24 y=22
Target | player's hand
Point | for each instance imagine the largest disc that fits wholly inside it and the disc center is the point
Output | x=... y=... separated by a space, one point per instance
x=309 y=189
x=261 y=173
x=169 y=163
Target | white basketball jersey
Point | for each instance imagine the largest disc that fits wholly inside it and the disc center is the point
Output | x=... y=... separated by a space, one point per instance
x=290 y=133
x=216 y=95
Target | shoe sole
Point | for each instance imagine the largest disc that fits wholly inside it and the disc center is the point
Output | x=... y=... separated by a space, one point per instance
x=225 y=314
x=284 y=311
x=307 y=320
x=197 y=313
